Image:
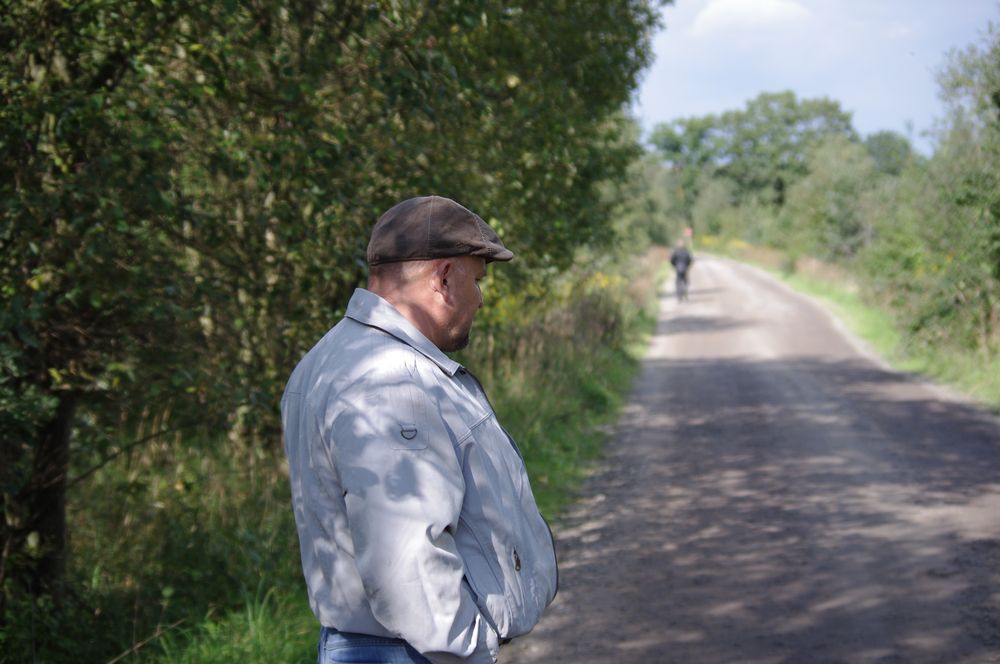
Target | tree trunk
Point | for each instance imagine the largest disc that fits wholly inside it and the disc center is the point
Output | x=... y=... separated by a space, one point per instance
x=46 y=498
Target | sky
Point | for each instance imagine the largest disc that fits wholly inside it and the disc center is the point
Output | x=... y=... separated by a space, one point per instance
x=878 y=58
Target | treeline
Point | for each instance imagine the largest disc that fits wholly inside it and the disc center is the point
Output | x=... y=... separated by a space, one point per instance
x=186 y=197
x=922 y=234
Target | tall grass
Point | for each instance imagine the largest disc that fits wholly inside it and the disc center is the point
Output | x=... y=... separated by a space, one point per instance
x=178 y=536
x=165 y=541
x=271 y=626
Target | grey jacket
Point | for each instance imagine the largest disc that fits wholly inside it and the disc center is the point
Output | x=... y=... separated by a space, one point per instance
x=413 y=508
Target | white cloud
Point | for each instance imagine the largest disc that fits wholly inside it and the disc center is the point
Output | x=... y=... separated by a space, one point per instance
x=722 y=15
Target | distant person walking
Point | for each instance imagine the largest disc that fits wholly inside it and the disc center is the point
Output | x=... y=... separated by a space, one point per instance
x=681 y=259
x=420 y=538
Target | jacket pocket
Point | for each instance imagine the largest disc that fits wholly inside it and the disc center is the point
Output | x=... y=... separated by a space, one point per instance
x=486 y=577
x=407 y=436
x=410 y=428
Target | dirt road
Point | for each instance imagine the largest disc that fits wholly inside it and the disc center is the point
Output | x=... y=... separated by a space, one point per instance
x=774 y=494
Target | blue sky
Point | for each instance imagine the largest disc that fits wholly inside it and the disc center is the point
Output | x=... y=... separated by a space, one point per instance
x=878 y=58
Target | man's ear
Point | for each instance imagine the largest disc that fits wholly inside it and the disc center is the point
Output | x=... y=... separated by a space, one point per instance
x=441 y=274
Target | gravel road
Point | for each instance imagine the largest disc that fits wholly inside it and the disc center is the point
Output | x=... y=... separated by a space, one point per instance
x=775 y=494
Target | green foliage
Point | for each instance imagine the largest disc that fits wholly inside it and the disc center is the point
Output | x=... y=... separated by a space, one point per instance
x=890 y=151
x=163 y=537
x=185 y=203
x=269 y=628
x=690 y=149
x=936 y=259
x=648 y=211
x=823 y=208
x=713 y=211
x=763 y=148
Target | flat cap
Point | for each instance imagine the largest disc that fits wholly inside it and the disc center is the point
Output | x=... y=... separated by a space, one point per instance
x=429 y=227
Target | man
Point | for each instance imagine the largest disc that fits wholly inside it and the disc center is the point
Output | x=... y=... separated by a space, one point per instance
x=681 y=259
x=419 y=535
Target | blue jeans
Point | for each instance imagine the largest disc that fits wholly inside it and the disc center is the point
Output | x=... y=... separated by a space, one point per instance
x=349 y=648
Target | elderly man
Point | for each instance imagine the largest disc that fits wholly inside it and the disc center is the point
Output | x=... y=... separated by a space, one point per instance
x=419 y=534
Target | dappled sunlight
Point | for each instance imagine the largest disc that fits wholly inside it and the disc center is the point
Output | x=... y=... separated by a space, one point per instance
x=795 y=511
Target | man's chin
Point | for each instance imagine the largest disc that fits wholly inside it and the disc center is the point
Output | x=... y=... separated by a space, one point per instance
x=458 y=344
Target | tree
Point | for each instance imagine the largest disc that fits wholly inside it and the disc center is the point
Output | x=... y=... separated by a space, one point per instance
x=649 y=208
x=714 y=207
x=966 y=168
x=90 y=272
x=970 y=86
x=763 y=148
x=890 y=151
x=767 y=145
x=689 y=148
x=823 y=210
x=937 y=249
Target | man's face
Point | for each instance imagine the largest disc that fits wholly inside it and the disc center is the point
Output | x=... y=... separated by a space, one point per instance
x=463 y=284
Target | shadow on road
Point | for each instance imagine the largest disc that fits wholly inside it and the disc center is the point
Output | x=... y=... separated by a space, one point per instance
x=804 y=511
x=699 y=325
x=694 y=293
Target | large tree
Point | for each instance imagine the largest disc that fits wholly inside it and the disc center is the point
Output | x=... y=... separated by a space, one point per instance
x=763 y=148
x=823 y=214
x=90 y=269
x=970 y=139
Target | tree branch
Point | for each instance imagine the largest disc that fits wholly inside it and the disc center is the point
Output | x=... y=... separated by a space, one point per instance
x=160 y=631
x=136 y=443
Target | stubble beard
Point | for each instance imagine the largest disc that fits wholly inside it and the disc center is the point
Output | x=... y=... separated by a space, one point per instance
x=458 y=343
x=459 y=339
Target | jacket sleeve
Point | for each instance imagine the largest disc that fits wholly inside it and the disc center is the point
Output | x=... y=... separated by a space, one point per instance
x=404 y=490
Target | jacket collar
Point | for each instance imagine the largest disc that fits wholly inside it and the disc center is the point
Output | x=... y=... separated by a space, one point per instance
x=369 y=309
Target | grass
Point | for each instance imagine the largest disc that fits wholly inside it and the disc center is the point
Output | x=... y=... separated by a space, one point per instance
x=271 y=627
x=189 y=553
x=561 y=424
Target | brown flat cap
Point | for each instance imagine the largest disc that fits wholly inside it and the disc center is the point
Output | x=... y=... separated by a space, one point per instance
x=430 y=227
